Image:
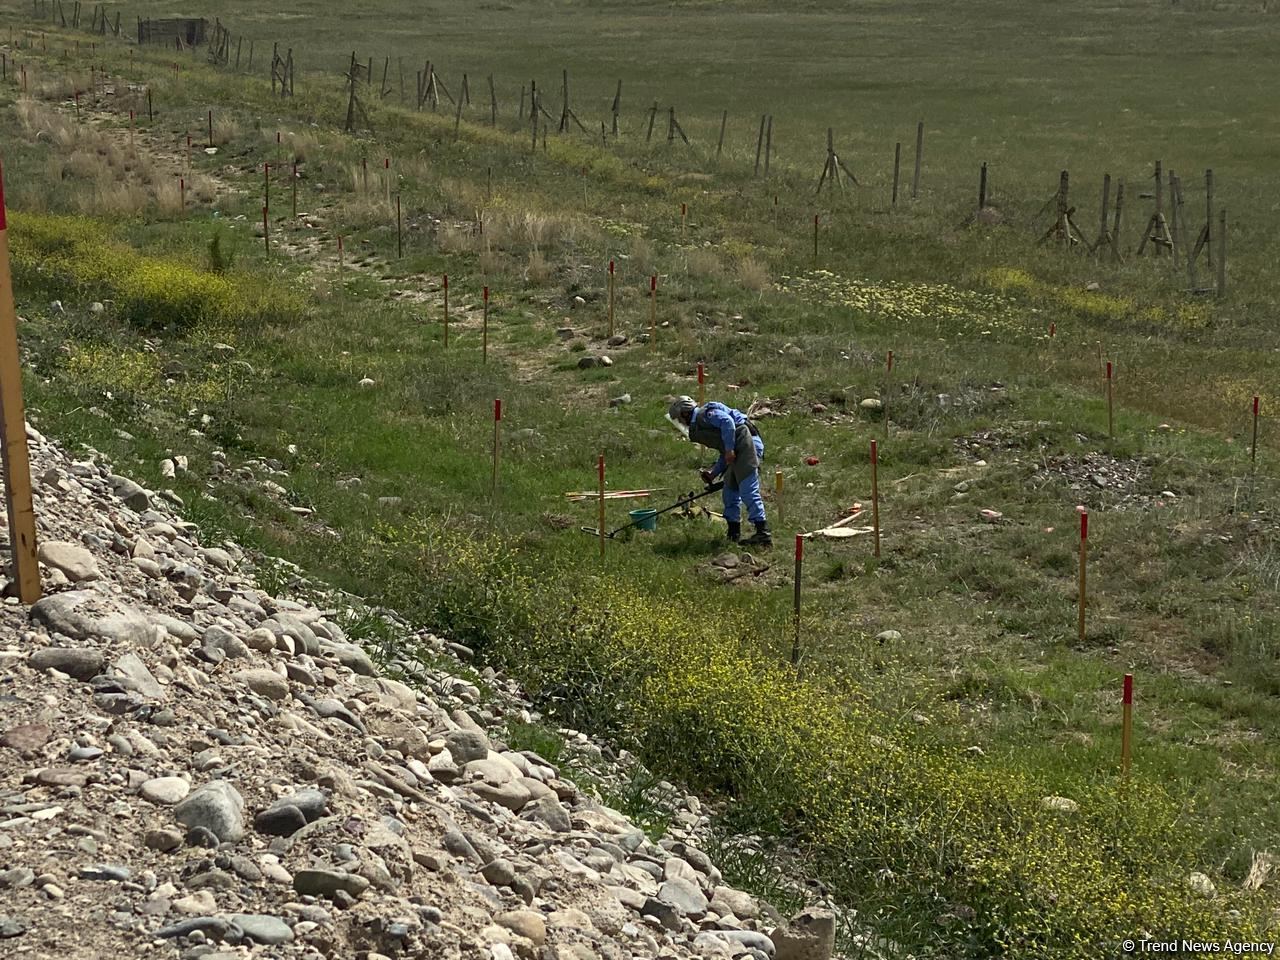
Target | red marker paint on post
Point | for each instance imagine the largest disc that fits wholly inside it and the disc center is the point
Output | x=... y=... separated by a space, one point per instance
x=610 y=268
x=1053 y=330
x=702 y=383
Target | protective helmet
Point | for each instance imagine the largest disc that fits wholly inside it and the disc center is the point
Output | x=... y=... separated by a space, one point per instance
x=681 y=409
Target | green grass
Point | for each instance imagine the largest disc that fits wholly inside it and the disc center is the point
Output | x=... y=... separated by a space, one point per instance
x=1184 y=589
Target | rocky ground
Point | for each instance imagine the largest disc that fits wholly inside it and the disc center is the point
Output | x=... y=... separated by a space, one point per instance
x=190 y=766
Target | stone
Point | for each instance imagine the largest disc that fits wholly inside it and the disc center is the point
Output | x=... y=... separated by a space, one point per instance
x=216 y=807
x=509 y=795
x=259 y=639
x=467 y=745
x=888 y=636
x=743 y=905
x=75 y=562
x=1062 y=805
x=133 y=495
x=499 y=872
x=11 y=927
x=442 y=767
x=132 y=674
x=223 y=640
x=811 y=935
x=871 y=405
x=165 y=790
x=1201 y=885
x=290 y=814
x=549 y=812
x=26 y=738
x=326 y=883
x=163 y=840
x=353 y=658
x=667 y=915
x=524 y=923
x=17 y=877
x=265 y=682
x=751 y=939
x=262 y=929
x=196 y=904
x=218 y=557
x=685 y=896
x=105 y=871
x=62 y=613
x=81 y=664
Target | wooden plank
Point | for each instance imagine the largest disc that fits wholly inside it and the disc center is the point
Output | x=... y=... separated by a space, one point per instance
x=13 y=434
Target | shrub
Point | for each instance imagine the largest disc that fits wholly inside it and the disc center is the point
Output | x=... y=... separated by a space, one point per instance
x=957 y=858
x=55 y=253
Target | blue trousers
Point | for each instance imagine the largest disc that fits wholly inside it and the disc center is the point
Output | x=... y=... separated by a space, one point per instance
x=748 y=491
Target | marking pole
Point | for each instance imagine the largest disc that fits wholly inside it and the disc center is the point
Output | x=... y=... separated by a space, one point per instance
x=875 y=495
x=795 y=642
x=485 y=327
x=1084 y=552
x=611 y=281
x=1253 y=449
x=1126 y=725
x=653 y=311
x=13 y=442
x=702 y=383
x=497 y=443
x=600 y=470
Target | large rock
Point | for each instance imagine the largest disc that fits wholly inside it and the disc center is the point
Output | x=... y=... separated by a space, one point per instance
x=133 y=495
x=351 y=657
x=467 y=745
x=69 y=614
x=217 y=807
x=291 y=813
x=325 y=883
x=165 y=790
x=262 y=929
x=78 y=662
x=73 y=560
x=811 y=935
x=265 y=683
x=685 y=896
x=132 y=674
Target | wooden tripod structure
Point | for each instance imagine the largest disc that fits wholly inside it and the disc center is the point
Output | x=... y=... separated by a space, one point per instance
x=834 y=167
x=1157 y=230
x=1109 y=236
x=354 y=107
x=1063 y=230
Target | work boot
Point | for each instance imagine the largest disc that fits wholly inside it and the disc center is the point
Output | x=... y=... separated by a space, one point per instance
x=735 y=531
x=761 y=538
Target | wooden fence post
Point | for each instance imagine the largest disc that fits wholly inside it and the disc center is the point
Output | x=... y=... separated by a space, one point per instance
x=13 y=442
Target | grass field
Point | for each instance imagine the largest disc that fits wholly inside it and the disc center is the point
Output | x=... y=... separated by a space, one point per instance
x=987 y=687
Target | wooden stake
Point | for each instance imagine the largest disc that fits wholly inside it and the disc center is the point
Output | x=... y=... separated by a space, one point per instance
x=150 y=112
x=211 y=128
x=1084 y=551
x=768 y=144
x=724 y=119
x=1111 y=419
x=875 y=496
x=815 y=241
x=13 y=434
x=1222 y=252
x=915 y=180
x=897 y=164
x=653 y=311
x=702 y=383
x=759 y=145
x=339 y=256
x=777 y=492
x=484 y=328
x=684 y=215
x=266 y=186
x=293 y=185
x=446 y=310
x=1126 y=725
x=182 y=194
x=1253 y=448
x=399 y=230
x=611 y=282
x=266 y=233
x=600 y=471
x=131 y=122
x=497 y=443
x=795 y=642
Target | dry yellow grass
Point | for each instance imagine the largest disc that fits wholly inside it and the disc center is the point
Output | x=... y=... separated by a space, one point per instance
x=752 y=274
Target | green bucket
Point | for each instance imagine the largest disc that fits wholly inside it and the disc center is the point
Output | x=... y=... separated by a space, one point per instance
x=645 y=519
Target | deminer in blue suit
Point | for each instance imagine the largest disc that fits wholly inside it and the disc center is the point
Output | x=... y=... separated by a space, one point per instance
x=736 y=439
